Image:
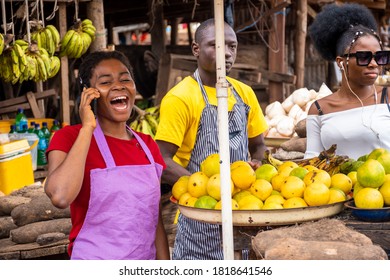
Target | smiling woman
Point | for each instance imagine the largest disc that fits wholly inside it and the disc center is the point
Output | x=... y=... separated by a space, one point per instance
x=95 y=168
x=353 y=117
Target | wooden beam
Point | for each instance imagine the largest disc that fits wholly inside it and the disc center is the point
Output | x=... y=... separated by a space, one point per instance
x=276 y=60
x=95 y=12
x=300 y=42
x=64 y=71
x=34 y=106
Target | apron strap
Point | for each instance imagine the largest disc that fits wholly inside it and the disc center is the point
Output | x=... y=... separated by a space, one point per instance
x=199 y=80
x=143 y=145
x=103 y=146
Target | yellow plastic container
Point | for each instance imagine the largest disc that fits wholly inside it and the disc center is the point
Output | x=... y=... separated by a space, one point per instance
x=5 y=124
x=16 y=170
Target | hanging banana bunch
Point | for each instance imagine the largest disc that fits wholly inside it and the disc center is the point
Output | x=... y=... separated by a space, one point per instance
x=23 y=62
x=77 y=39
x=147 y=120
x=47 y=38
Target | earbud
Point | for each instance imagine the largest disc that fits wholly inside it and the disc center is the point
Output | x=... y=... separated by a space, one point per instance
x=342 y=66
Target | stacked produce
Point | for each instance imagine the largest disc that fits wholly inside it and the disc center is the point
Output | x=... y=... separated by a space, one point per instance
x=48 y=38
x=383 y=80
x=372 y=172
x=283 y=117
x=147 y=120
x=27 y=216
x=21 y=61
x=78 y=39
x=274 y=185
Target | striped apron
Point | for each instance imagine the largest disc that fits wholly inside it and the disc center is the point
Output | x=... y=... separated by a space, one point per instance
x=202 y=241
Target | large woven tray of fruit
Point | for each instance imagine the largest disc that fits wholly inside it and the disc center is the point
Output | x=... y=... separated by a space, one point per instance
x=276 y=193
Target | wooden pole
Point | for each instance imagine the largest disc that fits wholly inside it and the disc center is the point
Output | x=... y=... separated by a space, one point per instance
x=95 y=12
x=157 y=31
x=64 y=71
x=277 y=59
x=223 y=132
x=300 y=42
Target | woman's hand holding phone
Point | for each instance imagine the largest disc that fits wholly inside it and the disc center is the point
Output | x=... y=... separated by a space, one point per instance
x=88 y=104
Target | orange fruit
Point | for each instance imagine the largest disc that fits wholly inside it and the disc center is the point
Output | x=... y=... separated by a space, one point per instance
x=317 y=176
x=242 y=175
x=197 y=184
x=371 y=174
x=261 y=188
x=266 y=172
x=316 y=194
x=336 y=195
x=369 y=198
x=292 y=187
x=294 y=202
x=180 y=187
x=213 y=186
x=210 y=165
x=342 y=182
x=385 y=191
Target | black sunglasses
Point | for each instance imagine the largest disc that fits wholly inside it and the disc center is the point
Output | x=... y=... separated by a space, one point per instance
x=363 y=58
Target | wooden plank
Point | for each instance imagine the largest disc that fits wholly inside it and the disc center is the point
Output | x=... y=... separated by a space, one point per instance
x=277 y=61
x=34 y=106
x=23 y=99
x=300 y=42
x=43 y=252
x=64 y=70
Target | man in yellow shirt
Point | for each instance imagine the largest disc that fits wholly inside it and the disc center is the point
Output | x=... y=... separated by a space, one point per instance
x=188 y=133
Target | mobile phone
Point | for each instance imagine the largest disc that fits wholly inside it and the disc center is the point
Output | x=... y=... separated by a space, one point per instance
x=93 y=103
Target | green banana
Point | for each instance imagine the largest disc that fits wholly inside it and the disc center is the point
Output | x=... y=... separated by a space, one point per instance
x=50 y=44
x=55 y=65
x=87 y=40
x=66 y=39
x=55 y=34
x=73 y=45
x=152 y=122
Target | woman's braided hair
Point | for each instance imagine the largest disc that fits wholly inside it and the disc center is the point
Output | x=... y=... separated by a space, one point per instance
x=337 y=27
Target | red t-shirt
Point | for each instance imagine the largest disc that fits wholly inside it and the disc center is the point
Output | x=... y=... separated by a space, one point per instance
x=124 y=152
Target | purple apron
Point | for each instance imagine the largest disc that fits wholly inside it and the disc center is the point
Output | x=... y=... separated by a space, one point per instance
x=122 y=217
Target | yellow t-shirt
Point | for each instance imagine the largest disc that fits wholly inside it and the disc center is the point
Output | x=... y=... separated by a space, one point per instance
x=181 y=109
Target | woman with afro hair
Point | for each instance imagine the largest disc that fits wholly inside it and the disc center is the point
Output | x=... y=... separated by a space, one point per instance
x=355 y=117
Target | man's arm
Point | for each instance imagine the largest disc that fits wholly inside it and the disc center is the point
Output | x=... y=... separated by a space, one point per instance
x=173 y=171
x=257 y=148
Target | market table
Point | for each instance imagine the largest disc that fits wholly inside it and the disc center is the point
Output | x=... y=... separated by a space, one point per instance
x=378 y=232
x=13 y=251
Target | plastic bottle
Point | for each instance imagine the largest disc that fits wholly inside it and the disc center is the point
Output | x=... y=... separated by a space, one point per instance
x=54 y=128
x=42 y=146
x=12 y=129
x=24 y=129
x=46 y=132
x=32 y=127
x=20 y=119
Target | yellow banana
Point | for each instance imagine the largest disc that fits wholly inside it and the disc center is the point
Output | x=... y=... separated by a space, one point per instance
x=87 y=40
x=152 y=122
x=42 y=36
x=55 y=35
x=66 y=39
x=20 y=53
x=73 y=45
x=86 y=21
x=134 y=124
x=146 y=129
x=50 y=44
x=41 y=69
x=90 y=31
x=55 y=65
x=21 y=42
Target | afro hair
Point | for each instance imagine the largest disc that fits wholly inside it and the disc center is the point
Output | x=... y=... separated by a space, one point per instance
x=331 y=23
